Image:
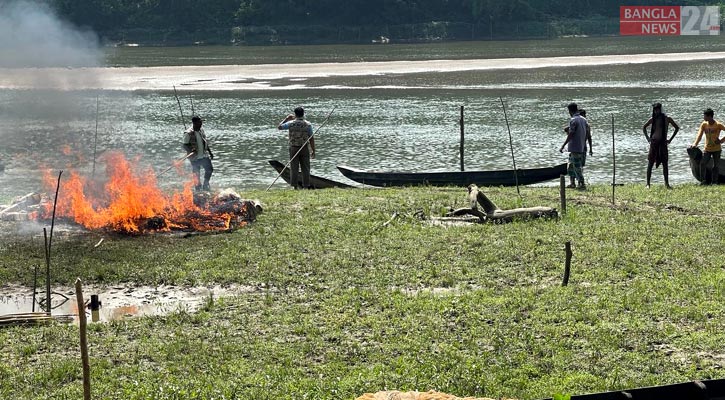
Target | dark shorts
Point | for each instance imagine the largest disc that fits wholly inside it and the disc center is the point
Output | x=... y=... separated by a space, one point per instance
x=658 y=153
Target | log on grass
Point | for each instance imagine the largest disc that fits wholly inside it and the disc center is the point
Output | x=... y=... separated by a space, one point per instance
x=24 y=319
x=522 y=214
x=492 y=213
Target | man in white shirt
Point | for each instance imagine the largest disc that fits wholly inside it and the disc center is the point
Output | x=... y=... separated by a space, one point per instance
x=195 y=142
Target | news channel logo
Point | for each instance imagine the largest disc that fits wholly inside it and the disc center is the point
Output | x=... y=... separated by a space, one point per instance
x=669 y=20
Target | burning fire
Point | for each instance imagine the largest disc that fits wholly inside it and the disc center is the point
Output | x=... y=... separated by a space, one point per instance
x=129 y=201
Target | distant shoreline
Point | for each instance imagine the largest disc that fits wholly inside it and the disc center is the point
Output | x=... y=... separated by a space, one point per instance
x=260 y=77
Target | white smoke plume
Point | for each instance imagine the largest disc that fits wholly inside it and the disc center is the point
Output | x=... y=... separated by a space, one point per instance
x=32 y=35
x=49 y=124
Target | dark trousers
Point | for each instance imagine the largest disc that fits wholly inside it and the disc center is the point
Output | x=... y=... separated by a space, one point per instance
x=715 y=155
x=302 y=160
x=196 y=166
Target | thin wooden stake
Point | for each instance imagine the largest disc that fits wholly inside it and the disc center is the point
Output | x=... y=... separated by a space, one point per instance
x=47 y=273
x=614 y=162
x=48 y=243
x=567 y=265
x=95 y=142
x=55 y=204
x=511 y=143
x=462 y=134
x=84 y=341
x=562 y=192
x=35 y=285
x=181 y=111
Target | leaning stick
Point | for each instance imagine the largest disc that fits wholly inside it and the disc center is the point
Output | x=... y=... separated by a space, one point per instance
x=55 y=204
x=84 y=341
x=302 y=147
x=95 y=142
x=47 y=272
x=175 y=163
x=614 y=162
x=181 y=112
x=48 y=242
x=511 y=143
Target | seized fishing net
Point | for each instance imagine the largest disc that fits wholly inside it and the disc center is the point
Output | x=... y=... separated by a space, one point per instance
x=430 y=395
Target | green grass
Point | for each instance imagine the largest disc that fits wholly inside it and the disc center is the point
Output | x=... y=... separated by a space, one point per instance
x=344 y=306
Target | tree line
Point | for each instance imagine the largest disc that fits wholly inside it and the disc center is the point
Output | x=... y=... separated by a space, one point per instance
x=337 y=21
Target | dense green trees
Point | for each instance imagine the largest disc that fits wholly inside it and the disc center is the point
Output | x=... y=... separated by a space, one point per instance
x=181 y=21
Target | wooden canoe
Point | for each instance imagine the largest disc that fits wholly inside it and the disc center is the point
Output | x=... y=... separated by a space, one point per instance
x=317 y=182
x=454 y=178
x=695 y=155
x=713 y=389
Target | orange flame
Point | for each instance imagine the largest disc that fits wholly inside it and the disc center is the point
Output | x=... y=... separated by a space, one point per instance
x=129 y=202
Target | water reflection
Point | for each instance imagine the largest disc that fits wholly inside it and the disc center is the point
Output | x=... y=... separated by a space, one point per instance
x=119 y=302
x=413 y=127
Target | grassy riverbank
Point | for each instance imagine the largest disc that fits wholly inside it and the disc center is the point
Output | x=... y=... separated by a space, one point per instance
x=344 y=305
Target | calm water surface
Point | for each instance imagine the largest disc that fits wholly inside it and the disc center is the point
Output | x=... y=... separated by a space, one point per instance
x=403 y=121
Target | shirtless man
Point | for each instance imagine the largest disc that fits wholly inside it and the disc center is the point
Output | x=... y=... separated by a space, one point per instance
x=658 y=141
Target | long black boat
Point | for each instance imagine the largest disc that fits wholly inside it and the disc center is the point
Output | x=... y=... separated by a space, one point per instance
x=454 y=178
x=317 y=182
x=713 y=389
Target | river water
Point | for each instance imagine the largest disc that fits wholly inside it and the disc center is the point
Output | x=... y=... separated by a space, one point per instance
x=395 y=106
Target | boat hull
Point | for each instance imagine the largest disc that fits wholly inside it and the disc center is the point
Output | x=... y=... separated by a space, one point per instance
x=317 y=182
x=454 y=178
x=708 y=389
x=695 y=155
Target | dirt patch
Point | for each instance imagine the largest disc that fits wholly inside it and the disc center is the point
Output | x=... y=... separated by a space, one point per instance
x=118 y=301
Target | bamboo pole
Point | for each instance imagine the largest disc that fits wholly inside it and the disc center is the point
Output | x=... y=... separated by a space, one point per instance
x=511 y=143
x=84 y=341
x=462 y=135
x=175 y=163
x=47 y=272
x=614 y=162
x=95 y=142
x=181 y=111
x=55 y=204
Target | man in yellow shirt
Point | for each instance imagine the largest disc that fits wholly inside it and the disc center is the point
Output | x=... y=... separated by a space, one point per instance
x=713 y=144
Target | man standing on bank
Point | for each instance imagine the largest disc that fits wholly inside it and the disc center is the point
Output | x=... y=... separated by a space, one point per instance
x=658 y=142
x=195 y=142
x=713 y=144
x=300 y=133
x=576 y=145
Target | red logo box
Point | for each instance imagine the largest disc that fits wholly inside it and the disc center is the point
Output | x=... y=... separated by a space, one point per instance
x=649 y=20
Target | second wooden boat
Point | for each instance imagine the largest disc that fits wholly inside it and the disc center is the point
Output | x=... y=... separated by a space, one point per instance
x=317 y=182
x=454 y=178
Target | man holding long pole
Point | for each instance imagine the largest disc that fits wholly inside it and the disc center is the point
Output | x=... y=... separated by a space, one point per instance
x=195 y=142
x=300 y=133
